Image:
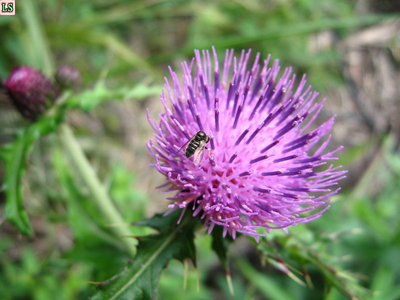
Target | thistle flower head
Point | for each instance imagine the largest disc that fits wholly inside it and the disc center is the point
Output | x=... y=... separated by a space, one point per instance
x=67 y=77
x=266 y=166
x=30 y=91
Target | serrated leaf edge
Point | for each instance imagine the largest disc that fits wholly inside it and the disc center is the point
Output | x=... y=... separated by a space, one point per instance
x=144 y=267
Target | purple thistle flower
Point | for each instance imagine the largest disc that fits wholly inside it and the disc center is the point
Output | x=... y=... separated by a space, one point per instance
x=30 y=91
x=261 y=171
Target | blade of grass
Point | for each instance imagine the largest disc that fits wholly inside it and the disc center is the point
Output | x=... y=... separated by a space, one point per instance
x=361 y=189
x=127 y=54
x=75 y=199
x=119 y=13
x=97 y=190
x=264 y=284
x=279 y=32
x=42 y=58
x=77 y=34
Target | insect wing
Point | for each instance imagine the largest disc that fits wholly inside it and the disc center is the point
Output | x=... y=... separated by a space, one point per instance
x=185 y=144
x=198 y=154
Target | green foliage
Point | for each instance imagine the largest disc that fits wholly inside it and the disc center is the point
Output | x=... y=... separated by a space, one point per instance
x=309 y=249
x=139 y=280
x=268 y=287
x=15 y=157
x=35 y=278
x=84 y=217
x=220 y=245
x=180 y=282
x=127 y=40
x=90 y=98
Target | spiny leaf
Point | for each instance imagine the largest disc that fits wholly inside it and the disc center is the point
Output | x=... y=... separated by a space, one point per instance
x=140 y=279
x=312 y=254
x=14 y=156
x=160 y=222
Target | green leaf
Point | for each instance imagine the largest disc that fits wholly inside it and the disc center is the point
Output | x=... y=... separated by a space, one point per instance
x=15 y=156
x=220 y=245
x=142 y=91
x=384 y=284
x=139 y=280
x=84 y=222
x=89 y=99
x=312 y=253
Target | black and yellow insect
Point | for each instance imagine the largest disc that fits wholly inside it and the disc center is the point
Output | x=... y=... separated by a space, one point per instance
x=196 y=146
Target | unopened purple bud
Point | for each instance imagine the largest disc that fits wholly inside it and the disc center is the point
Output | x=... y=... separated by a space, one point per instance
x=67 y=77
x=30 y=91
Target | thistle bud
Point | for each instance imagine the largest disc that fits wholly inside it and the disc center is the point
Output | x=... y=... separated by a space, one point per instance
x=30 y=91
x=67 y=77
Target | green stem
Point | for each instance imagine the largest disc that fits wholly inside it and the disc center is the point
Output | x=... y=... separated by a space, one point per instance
x=97 y=190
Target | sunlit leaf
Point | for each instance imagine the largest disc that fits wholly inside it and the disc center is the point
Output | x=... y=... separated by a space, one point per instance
x=89 y=99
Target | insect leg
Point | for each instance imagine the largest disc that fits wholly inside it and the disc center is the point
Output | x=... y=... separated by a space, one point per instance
x=209 y=151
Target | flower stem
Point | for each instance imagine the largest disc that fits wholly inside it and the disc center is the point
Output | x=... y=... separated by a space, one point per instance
x=96 y=188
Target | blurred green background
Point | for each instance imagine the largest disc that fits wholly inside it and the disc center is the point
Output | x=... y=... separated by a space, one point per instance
x=350 y=51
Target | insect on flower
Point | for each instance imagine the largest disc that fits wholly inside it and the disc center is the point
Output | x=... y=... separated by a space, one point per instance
x=270 y=164
x=196 y=146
